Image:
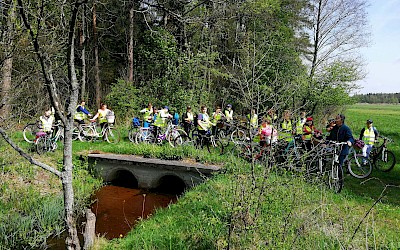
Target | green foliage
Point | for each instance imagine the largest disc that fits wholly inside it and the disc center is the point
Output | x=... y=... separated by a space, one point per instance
x=124 y=99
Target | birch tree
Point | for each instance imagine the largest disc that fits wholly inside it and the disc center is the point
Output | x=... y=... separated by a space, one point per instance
x=40 y=21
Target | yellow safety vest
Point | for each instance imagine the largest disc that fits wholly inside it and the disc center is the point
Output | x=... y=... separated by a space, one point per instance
x=79 y=115
x=102 y=115
x=369 y=136
x=205 y=122
x=299 y=126
x=286 y=132
x=47 y=124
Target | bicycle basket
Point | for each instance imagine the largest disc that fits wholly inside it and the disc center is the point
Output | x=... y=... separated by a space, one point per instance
x=110 y=117
x=358 y=144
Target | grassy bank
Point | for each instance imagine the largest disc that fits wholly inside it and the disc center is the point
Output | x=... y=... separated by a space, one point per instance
x=31 y=199
x=247 y=207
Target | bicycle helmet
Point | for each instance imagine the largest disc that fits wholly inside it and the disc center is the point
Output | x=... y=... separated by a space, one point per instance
x=229 y=106
x=369 y=121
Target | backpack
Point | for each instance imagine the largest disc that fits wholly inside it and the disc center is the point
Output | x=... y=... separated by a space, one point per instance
x=136 y=122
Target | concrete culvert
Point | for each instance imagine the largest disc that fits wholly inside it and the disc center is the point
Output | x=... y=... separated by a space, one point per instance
x=170 y=184
x=124 y=178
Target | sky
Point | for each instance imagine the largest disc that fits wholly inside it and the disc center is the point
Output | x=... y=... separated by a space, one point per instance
x=383 y=55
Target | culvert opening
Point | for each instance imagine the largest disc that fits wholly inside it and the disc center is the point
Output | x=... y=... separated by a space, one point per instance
x=170 y=184
x=124 y=178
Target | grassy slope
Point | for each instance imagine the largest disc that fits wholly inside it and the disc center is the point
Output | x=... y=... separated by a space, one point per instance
x=288 y=214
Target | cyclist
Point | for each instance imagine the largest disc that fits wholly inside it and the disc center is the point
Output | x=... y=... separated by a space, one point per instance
x=203 y=121
x=175 y=119
x=229 y=113
x=188 y=119
x=47 y=121
x=102 y=115
x=369 y=135
x=309 y=131
x=216 y=119
x=81 y=113
x=286 y=129
x=267 y=132
x=272 y=116
x=253 y=118
x=160 y=118
x=300 y=122
x=147 y=115
x=341 y=133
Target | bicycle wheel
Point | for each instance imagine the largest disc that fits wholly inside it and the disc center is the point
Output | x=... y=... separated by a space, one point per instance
x=42 y=145
x=385 y=161
x=30 y=131
x=238 y=136
x=132 y=134
x=112 y=136
x=175 y=138
x=145 y=136
x=215 y=147
x=223 y=138
x=359 y=166
x=76 y=133
x=88 y=134
x=335 y=178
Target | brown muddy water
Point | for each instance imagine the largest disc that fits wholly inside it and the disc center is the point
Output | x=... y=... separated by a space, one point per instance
x=118 y=209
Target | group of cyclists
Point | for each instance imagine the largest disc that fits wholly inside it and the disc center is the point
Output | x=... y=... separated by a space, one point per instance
x=268 y=129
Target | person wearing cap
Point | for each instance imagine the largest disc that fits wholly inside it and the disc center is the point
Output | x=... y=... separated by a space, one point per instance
x=341 y=133
x=188 y=119
x=229 y=113
x=369 y=135
x=308 y=131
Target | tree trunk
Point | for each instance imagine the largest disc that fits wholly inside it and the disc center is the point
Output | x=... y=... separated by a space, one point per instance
x=90 y=229
x=8 y=62
x=130 y=48
x=83 y=56
x=96 y=59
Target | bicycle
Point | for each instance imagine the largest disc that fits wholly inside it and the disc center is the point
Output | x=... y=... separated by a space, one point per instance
x=48 y=142
x=227 y=132
x=214 y=145
x=358 y=166
x=382 y=158
x=328 y=167
x=91 y=133
x=30 y=130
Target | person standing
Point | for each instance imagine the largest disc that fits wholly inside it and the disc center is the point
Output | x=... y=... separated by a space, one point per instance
x=147 y=115
x=229 y=113
x=102 y=115
x=301 y=120
x=369 y=135
x=286 y=128
x=203 y=121
x=341 y=133
x=188 y=119
x=81 y=113
x=216 y=118
x=47 y=121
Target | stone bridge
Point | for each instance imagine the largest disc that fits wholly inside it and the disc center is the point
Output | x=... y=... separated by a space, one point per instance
x=138 y=172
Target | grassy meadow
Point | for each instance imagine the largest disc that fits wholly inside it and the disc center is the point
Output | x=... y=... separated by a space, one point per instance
x=386 y=119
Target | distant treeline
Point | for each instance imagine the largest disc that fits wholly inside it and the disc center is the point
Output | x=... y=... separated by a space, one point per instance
x=378 y=98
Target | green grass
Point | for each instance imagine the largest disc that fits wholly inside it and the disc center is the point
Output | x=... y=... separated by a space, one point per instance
x=276 y=210
x=386 y=119
x=247 y=208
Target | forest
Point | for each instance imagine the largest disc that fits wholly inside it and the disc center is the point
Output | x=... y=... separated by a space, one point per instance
x=286 y=54
x=393 y=98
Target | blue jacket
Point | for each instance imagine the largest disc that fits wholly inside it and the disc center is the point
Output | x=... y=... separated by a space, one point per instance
x=341 y=134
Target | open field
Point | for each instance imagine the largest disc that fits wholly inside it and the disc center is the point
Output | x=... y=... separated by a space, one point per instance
x=386 y=119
